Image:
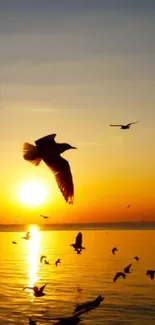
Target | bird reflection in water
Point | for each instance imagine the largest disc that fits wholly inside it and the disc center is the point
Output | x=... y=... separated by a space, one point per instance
x=33 y=257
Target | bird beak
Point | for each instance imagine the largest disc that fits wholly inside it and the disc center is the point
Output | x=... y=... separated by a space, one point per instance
x=73 y=148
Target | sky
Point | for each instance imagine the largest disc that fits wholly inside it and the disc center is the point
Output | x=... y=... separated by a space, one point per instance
x=72 y=68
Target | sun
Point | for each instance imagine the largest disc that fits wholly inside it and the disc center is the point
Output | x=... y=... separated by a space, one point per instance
x=33 y=193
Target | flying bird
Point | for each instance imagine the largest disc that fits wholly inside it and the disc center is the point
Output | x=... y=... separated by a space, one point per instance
x=46 y=262
x=89 y=305
x=32 y=322
x=127 y=268
x=114 y=250
x=58 y=261
x=37 y=292
x=78 y=243
x=41 y=258
x=128 y=206
x=27 y=236
x=124 y=127
x=150 y=273
x=14 y=242
x=118 y=274
x=44 y=217
x=136 y=258
x=49 y=151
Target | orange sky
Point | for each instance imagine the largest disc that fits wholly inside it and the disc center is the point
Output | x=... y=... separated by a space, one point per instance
x=73 y=75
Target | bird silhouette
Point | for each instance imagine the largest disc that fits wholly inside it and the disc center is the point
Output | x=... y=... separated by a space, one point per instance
x=127 y=268
x=58 y=261
x=128 y=206
x=49 y=151
x=44 y=217
x=27 y=236
x=14 y=242
x=151 y=274
x=114 y=250
x=136 y=258
x=32 y=322
x=124 y=127
x=89 y=305
x=41 y=258
x=119 y=274
x=37 y=292
x=78 y=243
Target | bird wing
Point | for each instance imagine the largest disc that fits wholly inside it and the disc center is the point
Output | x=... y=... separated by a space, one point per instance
x=43 y=287
x=115 y=125
x=79 y=239
x=127 y=268
x=133 y=123
x=87 y=306
x=61 y=169
x=45 y=140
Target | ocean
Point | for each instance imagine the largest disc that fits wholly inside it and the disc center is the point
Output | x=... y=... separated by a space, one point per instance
x=129 y=301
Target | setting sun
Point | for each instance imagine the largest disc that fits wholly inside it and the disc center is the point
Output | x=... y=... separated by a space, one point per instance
x=33 y=193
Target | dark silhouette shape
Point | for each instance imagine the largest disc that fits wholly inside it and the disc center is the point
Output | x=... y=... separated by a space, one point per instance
x=58 y=261
x=37 y=292
x=127 y=268
x=14 y=242
x=79 y=289
x=114 y=250
x=78 y=243
x=32 y=322
x=136 y=258
x=44 y=217
x=89 y=305
x=41 y=258
x=124 y=127
x=46 y=262
x=49 y=151
x=118 y=274
x=27 y=237
x=150 y=273
x=128 y=206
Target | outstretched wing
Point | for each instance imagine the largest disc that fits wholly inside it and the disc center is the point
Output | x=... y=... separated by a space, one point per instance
x=115 y=125
x=127 y=268
x=45 y=140
x=133 y=122
x=43 y=287
x=87 y=306
x=79 y=239
x=61 y=169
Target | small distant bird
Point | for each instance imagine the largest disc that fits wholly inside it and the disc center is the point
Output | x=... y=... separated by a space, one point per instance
x=78 y=243
x=124 y=127
x=14 y=242
x=58 y=261
x=37 y=292
x=32 y=322
x=79 y=289
x=46 y=262
x=128 y=206
x=118 y=274
x=136 y=258
x=127 y=268
x=150 y=273
x=114 y=250
x=45 y=217
x=49 y=151
x=41 y=258
x=27 y=237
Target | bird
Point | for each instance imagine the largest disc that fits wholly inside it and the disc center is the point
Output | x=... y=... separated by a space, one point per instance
x=124 y=127
x=32 y=322
x=114 y=250
x=49 y=151
x=45 y=217
x=150 y=273
x=78 y=243
x=89 y=305
x=118 y=274
x=127 y=269
x=46 y=262
x=37 y=292
x=58 y=261
x=128 y=206
x=136 y=258
x=41 y=258
x=14 y=242
x=27 y=236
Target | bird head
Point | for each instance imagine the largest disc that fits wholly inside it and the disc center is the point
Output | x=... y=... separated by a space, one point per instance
x=65 y=146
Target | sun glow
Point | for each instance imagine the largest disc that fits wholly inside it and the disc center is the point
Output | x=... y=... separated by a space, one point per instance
x=33 y=255
x=33 y=193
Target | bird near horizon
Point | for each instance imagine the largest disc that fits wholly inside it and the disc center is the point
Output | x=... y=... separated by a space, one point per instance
x=124 y=126
x=150 y=273
x=44 y=217
x=58 y=261
x=78 y=243
x=49 y=151
x=118 y=275
x=115 y=249
x=37 y=292
x=27 y=236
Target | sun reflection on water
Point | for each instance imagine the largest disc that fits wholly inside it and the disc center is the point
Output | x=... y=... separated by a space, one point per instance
x=33 y=255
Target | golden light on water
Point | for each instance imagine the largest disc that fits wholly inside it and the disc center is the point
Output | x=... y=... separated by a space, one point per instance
x=33 y=255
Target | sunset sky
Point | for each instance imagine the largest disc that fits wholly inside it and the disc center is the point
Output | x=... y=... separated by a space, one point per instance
x=72 y=68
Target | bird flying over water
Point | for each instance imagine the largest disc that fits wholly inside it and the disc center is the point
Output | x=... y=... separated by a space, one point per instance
x=41 y=258
x=119 y=274
x=136 y=258
x=58 y=261
x=49 y=151
x=127 y=269
x=44 y=217
x=37 y=292
x=151 y=274
x=14 y=242
x=46 y=262
x=78 y=243
x=27 y=236
x=114 y=250
x=89 y=305
x=124 y=127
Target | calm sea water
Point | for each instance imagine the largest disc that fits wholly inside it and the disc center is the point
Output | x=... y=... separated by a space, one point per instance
x=129 y=301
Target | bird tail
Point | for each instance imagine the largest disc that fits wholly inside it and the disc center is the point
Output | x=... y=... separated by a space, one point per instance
x=30 y=153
